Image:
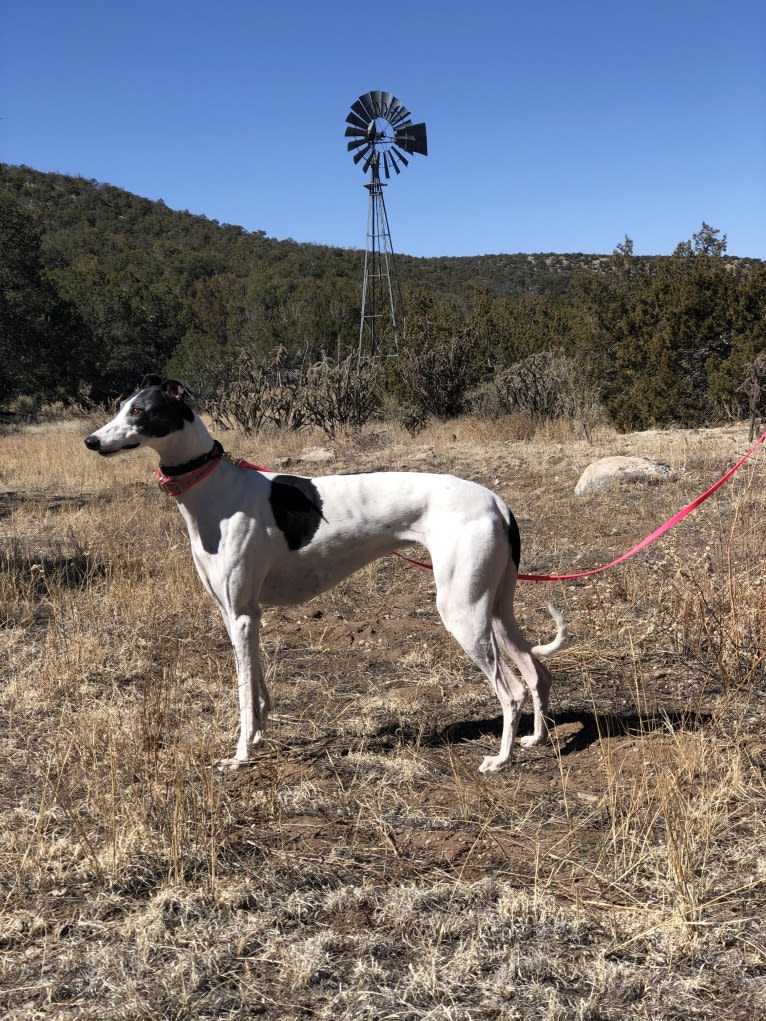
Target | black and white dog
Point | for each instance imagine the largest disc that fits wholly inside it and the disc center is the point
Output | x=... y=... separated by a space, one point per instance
x=262 y=538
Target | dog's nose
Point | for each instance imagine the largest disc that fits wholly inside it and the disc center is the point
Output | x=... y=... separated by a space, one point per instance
x=92 y=442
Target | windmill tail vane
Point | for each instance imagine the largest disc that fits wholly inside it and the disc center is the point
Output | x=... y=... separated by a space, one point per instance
x=380 y=131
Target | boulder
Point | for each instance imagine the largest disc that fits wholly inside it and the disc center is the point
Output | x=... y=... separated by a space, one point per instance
x=613 y=470
x=317 y=455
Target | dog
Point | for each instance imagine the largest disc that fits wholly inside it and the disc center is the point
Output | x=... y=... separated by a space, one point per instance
x=259 y=537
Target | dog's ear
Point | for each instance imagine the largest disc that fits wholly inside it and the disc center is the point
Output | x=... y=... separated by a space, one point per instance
x=173 y=389
x=176 y=391
x=152 y=379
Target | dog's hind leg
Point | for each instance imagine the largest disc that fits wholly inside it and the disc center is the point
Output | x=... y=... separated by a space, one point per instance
x=464 y=602
x=520 y=651
x=511 y=693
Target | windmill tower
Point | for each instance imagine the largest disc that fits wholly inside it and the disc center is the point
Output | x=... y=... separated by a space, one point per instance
x=380 y=132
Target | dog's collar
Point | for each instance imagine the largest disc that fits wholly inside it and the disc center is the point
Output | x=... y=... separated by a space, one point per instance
x=178 y=478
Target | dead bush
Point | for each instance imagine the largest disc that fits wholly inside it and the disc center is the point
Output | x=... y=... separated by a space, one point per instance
x=754 y=388
x=547 y=386
x=258 y=393
x=342 y=395
x=438 y=378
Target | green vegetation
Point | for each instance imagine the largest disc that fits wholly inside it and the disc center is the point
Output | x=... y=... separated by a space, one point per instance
x=100 y=286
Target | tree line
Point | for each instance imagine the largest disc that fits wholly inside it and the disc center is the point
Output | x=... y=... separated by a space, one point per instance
x=98 y=286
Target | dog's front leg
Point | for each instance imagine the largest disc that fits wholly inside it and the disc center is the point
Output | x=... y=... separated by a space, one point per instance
x=243 y=628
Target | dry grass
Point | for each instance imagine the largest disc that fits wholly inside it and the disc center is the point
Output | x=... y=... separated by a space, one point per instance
x=364 y=868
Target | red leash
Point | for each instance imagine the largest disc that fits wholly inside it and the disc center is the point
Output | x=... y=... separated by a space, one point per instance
x=670 y=523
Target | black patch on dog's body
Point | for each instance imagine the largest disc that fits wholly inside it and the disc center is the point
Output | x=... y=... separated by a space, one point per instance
x=514 y=537
x=297 y=509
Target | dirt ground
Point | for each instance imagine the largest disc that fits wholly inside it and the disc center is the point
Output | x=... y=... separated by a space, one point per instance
x=363 y=867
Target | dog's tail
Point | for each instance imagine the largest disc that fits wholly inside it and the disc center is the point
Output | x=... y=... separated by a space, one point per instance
x=561 y=634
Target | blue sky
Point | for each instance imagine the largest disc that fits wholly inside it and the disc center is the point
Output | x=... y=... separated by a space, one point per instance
x=552 y=126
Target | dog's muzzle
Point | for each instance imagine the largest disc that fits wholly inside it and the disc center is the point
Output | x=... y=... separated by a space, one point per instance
x=94 y=443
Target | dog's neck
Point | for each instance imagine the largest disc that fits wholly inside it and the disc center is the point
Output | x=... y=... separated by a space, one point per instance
x=183 y=446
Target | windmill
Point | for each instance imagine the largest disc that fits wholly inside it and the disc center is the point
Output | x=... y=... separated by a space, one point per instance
x=381 y=132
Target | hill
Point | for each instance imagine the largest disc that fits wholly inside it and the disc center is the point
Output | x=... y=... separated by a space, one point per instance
x=100 y=286
x=112 y=223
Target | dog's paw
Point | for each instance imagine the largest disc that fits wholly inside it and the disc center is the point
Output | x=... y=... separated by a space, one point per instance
x=492 y=763
x=532 y=740
x=231 y=765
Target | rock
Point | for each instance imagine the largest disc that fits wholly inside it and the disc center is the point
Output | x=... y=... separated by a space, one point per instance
x=611 y=470
x=317 y=454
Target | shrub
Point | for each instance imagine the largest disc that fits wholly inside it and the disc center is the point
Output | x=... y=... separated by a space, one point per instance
x=327 y=394
x=547 y=386
x=754 y=389
x=345 y=394
x=439 y=377
x=257 y=393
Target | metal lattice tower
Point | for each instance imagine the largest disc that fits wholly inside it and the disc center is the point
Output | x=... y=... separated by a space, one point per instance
x=381 y=131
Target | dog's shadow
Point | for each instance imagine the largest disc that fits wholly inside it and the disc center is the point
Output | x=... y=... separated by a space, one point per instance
x=589 y=728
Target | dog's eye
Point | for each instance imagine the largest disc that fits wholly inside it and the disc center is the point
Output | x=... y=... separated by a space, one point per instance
x=135 y=410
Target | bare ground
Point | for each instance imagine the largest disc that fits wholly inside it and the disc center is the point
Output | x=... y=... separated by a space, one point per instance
x=364 y=868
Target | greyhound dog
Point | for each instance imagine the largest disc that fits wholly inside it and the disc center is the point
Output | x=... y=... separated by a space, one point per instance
x=258 y=537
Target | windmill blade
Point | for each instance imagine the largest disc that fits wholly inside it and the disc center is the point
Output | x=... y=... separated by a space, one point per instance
x=362 y=153
x=359 y=122
x=401 y=156
x=363 y=107
x=359 y=110
x=372 y=103
x=398 y=116
x=373 y=156
x=377 y=102
x=385 y=165
x=389 y=101
x=363 y=140
x=355 y=132
x=392 y=158
x=412 y=138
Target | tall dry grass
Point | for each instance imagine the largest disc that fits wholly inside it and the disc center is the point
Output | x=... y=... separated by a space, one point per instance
x=363 y=868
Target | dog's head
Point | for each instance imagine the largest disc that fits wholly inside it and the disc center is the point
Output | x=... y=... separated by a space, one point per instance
x=157 y=409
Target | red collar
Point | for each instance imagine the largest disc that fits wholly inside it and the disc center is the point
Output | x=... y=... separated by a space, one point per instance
x=177 y=485
x=177 y=480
